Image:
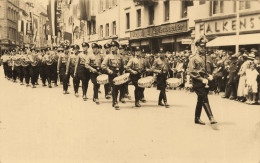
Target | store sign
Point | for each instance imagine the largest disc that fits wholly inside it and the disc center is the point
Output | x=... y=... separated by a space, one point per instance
x=246 y=23
x=186 y=41
x=4 y=41
x=160 y=30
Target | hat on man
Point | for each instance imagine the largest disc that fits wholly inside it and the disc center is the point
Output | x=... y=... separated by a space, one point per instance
x=254 y=50
x=114 y=43
x=161 y=50
x=107 y=45
x=121 y=46
x=137 y=48
x=94 y=45
x=85 y=44
x=76 y=47
x=251 y=56
x=201 y=41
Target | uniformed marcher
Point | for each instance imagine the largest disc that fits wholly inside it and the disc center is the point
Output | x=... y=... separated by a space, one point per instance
x=61 y=67
x=80 y=68
x=107 y=86
x=70 y=68
x=93 y=64
x=42 y=67
x=137 y=66
x=54 y=65
x=4 y=59
x=34 y=69
x=48 y=59
x=14 y=70
x=200 y=80
x=26 y=63
x=17 y=65
x=10 y=65
x=161 y=67
x=124 y=89
x=113 y=65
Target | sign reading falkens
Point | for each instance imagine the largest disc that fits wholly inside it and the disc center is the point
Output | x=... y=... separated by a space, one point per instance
x=159 y=30
x=246 y=23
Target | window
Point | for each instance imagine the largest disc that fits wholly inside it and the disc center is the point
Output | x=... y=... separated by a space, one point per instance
x=107 y=4
x=107 y=29
x=1 y=32
x=184 y=8
x=244 y=5
x=166 y=10
x=114 y=27
x=101 y=8
x=89 y=28
x=101 y=31
x=114 y=2
x=94 y=27
x=138 y=12
x=151 y=14
x=202 y=2
x=217 y=7
x=127 y=20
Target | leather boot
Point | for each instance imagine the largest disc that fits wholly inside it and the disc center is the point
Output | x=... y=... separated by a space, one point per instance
x=209 y=113
x=198 y=113
x=160 y=100
x=137 y=104
x=198 y=121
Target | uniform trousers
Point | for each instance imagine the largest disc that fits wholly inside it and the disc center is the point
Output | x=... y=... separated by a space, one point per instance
x=202 y=98
x=34 y=71
x=43 y=74
x=84 y=76
x=161 y=85
x=26 y=72
x=62 y=74
x=49 y=73
x=115 y=88
x=15 y=73
x=5 y=67
x=93 y=77
x=138 y=90
x=55 y=74
x=19 y=70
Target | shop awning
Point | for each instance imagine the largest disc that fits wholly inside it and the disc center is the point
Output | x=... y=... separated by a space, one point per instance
x=247 y=39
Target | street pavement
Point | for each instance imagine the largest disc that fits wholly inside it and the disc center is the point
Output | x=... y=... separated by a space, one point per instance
x=44 y=126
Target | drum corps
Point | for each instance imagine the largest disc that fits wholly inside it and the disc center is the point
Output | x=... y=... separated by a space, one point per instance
x=116 y=68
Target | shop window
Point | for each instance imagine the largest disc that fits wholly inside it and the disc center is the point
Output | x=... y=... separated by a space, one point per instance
x=166 y=10
x=184 y=8
x=138 y=12
x=244 y=5
x=101 y=31
x=151 y=15
x=114 y=27
x=107 y=29
x=127 y=20
x=217 y=7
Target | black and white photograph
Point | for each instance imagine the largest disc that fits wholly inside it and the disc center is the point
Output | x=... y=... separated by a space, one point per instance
x=129 y=81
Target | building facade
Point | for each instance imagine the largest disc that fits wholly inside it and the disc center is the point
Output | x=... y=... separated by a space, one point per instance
x=9 y=15
x=218 y=21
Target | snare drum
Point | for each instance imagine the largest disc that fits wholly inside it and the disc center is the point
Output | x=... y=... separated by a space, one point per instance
x=173 y=82
x=146 y=82
x=121 y=79
x=102 y=79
